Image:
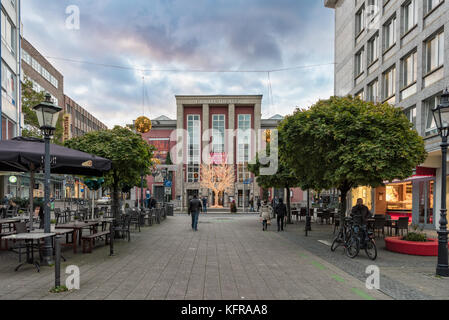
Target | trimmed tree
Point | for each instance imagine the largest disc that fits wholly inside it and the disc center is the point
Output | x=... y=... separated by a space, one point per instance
x=30 y=98
x=284 y=178
x=344 y=142
x=130 y=156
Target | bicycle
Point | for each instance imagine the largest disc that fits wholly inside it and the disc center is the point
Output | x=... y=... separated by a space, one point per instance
x=343 y=235
x=361 y=239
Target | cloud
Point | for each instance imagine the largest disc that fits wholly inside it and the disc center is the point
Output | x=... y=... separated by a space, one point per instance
x=184 y=35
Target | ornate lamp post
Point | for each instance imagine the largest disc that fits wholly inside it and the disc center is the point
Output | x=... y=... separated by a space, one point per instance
x=47 y=115
x=441 y=116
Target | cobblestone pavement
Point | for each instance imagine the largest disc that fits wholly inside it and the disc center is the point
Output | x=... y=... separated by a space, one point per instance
x=230 y=257
x=402 y=276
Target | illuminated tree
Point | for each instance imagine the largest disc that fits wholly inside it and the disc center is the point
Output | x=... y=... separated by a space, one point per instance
x=218 y=178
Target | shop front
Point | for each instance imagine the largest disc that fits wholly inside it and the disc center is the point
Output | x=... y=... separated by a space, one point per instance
x=412 y=198
x=364 y=193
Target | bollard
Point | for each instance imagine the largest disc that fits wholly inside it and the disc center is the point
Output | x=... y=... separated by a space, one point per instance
x=111 y=240
x=58 y=261
x=308 y=224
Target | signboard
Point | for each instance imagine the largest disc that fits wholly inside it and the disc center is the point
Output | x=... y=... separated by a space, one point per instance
x=66 y=120
x=167 y=191
x=248 y=181
x=168 y=184
x=12 y=179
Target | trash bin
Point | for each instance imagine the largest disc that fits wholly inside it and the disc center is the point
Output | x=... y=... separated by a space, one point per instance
x=170 y=209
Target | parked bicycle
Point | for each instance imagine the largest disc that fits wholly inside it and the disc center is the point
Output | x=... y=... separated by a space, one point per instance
x=355 y=237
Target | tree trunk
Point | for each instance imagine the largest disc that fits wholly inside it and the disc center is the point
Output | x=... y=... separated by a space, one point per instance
x=344 y=192
x=216 y=199
x=289 y=211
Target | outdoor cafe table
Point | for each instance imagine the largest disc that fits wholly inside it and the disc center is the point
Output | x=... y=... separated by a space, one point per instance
x=78 y=230
x=29 y=239
x=103 y=221
x=10 y=221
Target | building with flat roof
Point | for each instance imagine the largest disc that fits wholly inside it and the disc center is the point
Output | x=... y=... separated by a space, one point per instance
x=211 y=127
x=396 y=52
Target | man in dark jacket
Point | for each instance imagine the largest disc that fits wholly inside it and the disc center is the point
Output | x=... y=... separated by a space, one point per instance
x=195 y=206
x=281 y=212
x=360 y=214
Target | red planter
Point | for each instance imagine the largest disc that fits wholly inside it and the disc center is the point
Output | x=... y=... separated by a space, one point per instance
x=429 y=248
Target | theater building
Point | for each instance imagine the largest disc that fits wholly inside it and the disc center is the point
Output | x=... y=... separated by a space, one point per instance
x=216 y=126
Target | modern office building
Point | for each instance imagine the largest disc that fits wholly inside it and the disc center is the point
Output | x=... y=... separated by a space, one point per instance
x=394 y=51
x=10 y=107
x=219 y=123
x=10 y=104
x=41 y=73
x=78 y=121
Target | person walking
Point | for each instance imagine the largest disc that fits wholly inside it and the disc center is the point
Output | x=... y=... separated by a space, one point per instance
x=266 y=215
x=281 y=212
x=251 y=204
x=204 y=204
x=195 y=207
x=259 y=203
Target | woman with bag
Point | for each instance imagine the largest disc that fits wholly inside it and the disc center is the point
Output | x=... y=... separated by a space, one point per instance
x=265 y=214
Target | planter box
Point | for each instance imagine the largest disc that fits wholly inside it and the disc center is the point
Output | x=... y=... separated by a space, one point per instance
x=429 y=248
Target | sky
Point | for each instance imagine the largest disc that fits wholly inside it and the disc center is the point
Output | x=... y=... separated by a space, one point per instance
x=113 y=64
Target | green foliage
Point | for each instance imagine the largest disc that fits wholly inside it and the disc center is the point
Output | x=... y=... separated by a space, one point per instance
x=53 y=221
x=344 y=142
x=415 y=237
x=31 y=98
x=59 y=289
x=168 y=159
x=130 y=155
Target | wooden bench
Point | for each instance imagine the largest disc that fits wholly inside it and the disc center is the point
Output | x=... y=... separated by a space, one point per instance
x=91 y=239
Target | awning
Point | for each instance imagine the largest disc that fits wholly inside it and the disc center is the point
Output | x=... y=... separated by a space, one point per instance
x=421 y=173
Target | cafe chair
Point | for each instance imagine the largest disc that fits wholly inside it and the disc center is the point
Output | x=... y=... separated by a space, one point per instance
x=401 y=225
x=379 y=224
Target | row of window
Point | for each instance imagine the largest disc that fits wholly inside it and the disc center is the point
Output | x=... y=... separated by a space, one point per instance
x=38 y=88
x=82 y=121
x=8 y=33
x=433 y=59
x=9 y=88
x=409 y=12
x=218 y=139
x=193 y=172
x=39 y=68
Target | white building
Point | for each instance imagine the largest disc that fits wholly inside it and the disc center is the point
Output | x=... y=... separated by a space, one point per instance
x=10 y=107
x=394 y=51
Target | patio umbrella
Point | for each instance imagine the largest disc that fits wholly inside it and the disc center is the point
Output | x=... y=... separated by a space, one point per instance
x=22 y=154
x=27 y=155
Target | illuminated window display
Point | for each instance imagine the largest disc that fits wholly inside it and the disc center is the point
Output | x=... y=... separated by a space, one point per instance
x=399 y=197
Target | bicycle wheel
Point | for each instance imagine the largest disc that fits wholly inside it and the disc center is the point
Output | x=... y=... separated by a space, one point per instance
x=353 y=247
x=336 y=243
x=371 y=250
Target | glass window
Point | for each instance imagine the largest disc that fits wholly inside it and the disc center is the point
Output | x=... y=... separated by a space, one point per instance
x=360 y=20
x=218 y=133
x=430 y=104
x=193 y=143
x=8 y=84
x=435 y=52
x=389 y=83
x=389 y=33
x=431 y=4
x=409 y=15
x=373 y=49
x=359 y=63
x=373 y=91
x=409 y=69
x=399 y=196
x=410 y=113
x=8 y=33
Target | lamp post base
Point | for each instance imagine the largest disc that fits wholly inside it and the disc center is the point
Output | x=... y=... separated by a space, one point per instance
x=443 y=271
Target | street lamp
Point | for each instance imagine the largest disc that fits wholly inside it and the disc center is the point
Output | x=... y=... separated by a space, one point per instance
x=441 y=116
x=47 y=115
